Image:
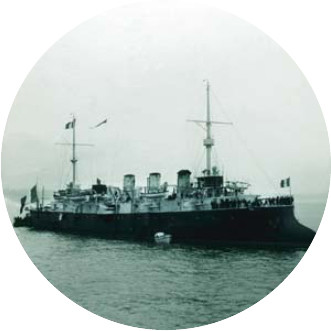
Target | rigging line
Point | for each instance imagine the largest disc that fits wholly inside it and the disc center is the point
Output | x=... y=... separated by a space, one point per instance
x=216 y=158
x=93 y=172
x=220 y=104
x=256 y=161
x=197 y=158
x=68 y=175
x=59 y=169
x=58 y=137
x=192 y=146
x=196 y=168
x=200 y=125
x=65 y=170
x=60 y=174
x=252 y=155
x=65 y=155
x=62 y=170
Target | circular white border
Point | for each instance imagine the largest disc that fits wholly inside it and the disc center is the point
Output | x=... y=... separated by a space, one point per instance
x=28 y=29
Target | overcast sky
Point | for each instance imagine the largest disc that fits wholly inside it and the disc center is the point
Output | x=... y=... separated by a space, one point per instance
x=143 y=67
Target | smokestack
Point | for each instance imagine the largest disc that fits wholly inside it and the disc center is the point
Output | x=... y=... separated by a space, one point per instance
x=154 y=180
x=129 y=182
x=183 y=181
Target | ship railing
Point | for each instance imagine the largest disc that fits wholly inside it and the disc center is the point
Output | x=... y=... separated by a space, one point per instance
x=257 y=202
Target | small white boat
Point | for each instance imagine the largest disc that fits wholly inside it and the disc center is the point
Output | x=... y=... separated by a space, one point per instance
x=162 y=238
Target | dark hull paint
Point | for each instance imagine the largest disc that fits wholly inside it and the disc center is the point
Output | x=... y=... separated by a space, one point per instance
x=273 y=225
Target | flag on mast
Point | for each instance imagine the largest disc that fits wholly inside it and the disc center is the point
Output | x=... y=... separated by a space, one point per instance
x=34 y=194
x=99 y=124
x=285 y=182
x=70 y=125
x=23 y=201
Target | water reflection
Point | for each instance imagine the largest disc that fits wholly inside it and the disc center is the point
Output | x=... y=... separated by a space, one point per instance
x=152 y=286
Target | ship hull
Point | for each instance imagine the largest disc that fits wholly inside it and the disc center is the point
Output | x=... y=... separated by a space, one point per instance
x=274 y=225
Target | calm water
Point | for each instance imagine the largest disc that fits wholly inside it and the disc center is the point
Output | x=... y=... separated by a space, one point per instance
x=161 y=288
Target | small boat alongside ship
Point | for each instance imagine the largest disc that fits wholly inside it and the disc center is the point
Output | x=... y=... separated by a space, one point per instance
x=162 y=238
x=207 y=210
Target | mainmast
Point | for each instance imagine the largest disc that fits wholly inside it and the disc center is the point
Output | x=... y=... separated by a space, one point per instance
x=208 y=142
x=73 y=160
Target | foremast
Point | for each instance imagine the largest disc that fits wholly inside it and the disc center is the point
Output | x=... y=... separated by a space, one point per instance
x=74 y=159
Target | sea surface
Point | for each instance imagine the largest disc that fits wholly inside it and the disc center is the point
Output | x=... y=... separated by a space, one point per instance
x=149 y=286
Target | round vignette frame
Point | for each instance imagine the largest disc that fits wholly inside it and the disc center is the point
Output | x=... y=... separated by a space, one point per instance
x=317 y=237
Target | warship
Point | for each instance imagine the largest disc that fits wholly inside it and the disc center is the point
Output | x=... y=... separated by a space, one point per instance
x=206 y=210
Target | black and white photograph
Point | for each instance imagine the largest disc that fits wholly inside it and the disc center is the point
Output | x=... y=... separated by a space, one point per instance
x=165 y=165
